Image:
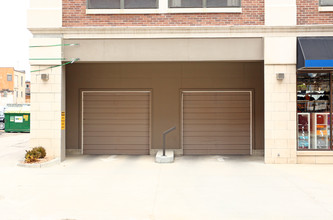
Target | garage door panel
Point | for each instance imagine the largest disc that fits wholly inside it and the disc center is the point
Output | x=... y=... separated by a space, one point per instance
x=217 y=152
x=116 y=116
x=116 y=140
x=216 y=110
x=114 y=110
x=118 y=103
x=216 y=140
x=116 y=122
x=115 y=152
x=102 y=97
x=216 y=116
x=215 y=94
x=217 y=98
x=123 y=128
x=115 y=134
x=115 y=93
x=218 y=147
x=216 y=122
x=216 y=134
x=205 y=128
x=217 y=104
x=125 y=147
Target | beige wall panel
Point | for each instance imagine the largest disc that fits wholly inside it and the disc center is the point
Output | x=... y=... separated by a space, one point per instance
x=273 y=15
x=44 y=18
x=166 y=49
x=45 y=4
x=165 y=79
x=280 y=115
x=40 y=54
x=280 y=50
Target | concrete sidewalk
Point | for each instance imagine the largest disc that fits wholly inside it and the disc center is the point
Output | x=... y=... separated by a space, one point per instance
x=137 y=188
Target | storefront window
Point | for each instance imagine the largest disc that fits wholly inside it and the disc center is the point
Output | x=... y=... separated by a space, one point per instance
x=314 y=111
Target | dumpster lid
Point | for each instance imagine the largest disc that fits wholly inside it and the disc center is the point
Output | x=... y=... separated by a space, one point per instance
x=23 y=108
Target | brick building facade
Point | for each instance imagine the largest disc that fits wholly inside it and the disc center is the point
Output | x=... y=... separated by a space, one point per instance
x=74 y=15
x=11 y=86
x=225 y=73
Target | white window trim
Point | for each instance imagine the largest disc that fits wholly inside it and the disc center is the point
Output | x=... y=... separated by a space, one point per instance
x=325 y=8
x=164 y=8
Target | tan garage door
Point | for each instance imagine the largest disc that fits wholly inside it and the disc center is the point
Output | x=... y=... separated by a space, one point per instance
x=217 y=123
x=116 y=122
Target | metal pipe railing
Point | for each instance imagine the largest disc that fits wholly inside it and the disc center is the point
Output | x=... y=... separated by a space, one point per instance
x=165 y=133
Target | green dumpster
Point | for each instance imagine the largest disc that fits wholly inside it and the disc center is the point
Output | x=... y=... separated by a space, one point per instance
x=17 y=119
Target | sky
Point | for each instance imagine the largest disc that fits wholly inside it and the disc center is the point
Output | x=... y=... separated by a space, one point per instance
x=14 y=35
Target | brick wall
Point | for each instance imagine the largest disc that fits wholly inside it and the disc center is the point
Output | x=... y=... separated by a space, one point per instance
x=74 y=16
x=307 y=13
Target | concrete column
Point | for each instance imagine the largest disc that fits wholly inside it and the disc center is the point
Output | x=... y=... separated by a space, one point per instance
x=47 y=96
x=280 y=100
x=45 y=14
x=280 y=12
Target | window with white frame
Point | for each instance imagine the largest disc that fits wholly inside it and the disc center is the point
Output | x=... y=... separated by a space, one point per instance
x=155 y=4
x=326 y=2
x=122 y=4
x=203 y=3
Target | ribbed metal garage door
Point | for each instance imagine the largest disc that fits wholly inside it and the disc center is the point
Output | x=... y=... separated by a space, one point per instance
x=115 y=122
x=217 y=123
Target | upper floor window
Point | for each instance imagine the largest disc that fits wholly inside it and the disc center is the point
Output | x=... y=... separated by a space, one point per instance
x=326 y=2
x=16 y=82
x=9 y=77
x=163 y=6
x=122 y=4
x=203 y=3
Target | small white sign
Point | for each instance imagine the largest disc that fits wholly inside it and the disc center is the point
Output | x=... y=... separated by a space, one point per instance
x=18 y=119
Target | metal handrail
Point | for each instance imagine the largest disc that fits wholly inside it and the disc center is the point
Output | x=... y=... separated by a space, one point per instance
x=165 y=133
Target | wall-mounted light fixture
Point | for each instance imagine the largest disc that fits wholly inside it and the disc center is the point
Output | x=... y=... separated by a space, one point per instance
x=280 y=76
x=44 y=76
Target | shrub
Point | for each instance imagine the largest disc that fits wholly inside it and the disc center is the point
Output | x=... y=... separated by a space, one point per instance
x=34 y=154
x=41 y=150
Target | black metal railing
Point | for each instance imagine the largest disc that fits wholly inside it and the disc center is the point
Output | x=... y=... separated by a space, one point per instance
x=164 y=134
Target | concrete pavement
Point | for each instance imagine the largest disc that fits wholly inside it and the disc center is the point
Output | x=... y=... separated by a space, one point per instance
x=137 y=188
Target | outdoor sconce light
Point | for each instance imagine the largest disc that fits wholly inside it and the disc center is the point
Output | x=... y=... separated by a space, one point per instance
x=44 y=76
x=280 y=76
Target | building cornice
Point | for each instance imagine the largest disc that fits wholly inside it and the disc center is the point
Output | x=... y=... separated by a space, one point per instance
x=183 y=32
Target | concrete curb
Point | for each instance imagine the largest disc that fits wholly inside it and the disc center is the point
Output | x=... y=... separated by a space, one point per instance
x=168 y=158
x=39 y=165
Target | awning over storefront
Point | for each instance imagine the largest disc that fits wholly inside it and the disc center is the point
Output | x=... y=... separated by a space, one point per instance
x=314 y=52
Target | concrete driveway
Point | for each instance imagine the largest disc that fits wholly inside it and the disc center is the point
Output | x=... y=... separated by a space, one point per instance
x=136 y=188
